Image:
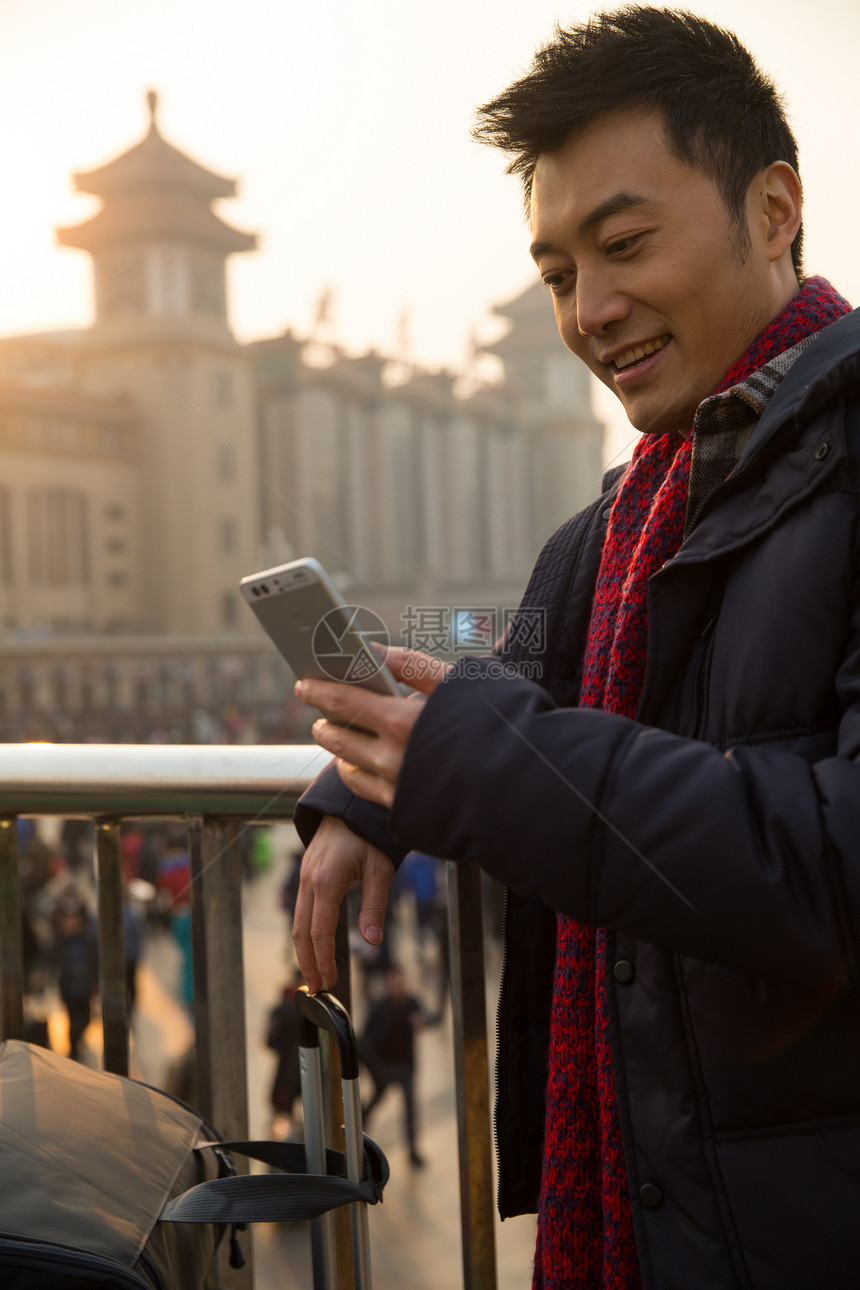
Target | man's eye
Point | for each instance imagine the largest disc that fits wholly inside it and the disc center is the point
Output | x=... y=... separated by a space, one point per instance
x=557 y=281
x=620 y=245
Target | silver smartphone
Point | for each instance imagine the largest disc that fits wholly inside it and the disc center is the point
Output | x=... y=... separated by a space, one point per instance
x=315 y=630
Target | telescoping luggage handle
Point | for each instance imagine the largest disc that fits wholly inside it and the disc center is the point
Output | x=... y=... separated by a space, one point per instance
x=315 y=1180
x=324 y=1012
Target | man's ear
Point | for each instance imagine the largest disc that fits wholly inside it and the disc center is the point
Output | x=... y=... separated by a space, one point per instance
x=778 y=198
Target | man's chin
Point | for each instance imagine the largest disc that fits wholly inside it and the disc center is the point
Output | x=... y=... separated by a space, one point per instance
x=657 y=421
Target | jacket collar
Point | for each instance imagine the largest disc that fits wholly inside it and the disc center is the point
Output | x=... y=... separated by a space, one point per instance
x=828 y=369
x=793 y=448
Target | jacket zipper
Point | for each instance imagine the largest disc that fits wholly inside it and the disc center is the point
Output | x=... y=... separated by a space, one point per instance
x=70 y=1258
x=497 y=1070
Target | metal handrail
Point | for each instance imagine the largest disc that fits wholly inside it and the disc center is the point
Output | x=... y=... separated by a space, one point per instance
x=213 y=787
x=230 y=781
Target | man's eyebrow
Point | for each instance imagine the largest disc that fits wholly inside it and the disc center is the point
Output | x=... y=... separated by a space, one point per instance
x=613 y=205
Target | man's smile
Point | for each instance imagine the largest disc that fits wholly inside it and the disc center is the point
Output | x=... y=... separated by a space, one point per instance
x=636 y=353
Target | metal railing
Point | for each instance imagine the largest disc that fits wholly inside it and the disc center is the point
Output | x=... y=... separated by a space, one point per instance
x=216 y=791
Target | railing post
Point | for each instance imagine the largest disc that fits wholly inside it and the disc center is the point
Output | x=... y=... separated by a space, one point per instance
x=345 y=1274
x=112 y=970
x=11 y=941
x=219 y=994
x=468 y=994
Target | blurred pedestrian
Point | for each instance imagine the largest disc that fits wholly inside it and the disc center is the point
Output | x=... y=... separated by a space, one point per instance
x=173 y=872
x=132 y=929
x=77 y=840
x=388 y=1051
x=180 y=930
x=75 y=958
x=290 y=885
x=282 y=1036
x=419 y=875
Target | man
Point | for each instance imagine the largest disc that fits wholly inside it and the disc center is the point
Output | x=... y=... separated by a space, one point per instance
x=676 y=808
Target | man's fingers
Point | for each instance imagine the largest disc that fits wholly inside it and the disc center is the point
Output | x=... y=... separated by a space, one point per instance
x=365 y=783
x=305 y=951
x=347 y=705
x=328 y=868
x=314 y=937
x=323 y=929
x=335 y=859
x=379 y=755
x=376 y=883
x=420 y=671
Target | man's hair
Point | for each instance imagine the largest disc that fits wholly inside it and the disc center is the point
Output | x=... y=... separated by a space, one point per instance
x=720 y=113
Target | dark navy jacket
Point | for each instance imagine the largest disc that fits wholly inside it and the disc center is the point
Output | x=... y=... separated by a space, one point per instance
x=716 y=837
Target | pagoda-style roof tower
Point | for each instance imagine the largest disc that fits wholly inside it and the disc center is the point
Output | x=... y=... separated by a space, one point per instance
x=539 y=372
x=158 y=248
x=534 y=332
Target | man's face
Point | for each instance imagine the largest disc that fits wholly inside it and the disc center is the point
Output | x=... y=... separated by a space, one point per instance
x=649 y=285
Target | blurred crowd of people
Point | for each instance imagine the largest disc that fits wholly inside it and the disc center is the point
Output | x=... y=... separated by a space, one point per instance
x=401 y=986
x=59 y=929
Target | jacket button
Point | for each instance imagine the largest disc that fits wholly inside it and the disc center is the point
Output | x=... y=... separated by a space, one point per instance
x=650 y=1196
x=606 y=514
x=624 y=972
x=821 y=451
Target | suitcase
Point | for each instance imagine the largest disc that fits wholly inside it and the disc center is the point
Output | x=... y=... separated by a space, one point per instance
x=106 y=1182
x=87 y=1161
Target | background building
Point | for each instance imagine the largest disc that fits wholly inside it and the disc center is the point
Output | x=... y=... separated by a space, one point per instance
x=150 y=461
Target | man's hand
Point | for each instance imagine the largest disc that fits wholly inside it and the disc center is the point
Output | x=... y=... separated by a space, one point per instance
x=335 y=859
x=369 y=761
x=368 y=732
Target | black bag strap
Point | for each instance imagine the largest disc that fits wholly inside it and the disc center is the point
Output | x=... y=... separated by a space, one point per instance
x=283 y=1197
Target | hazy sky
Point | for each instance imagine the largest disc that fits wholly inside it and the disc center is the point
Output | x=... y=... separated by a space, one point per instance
x=346 y=123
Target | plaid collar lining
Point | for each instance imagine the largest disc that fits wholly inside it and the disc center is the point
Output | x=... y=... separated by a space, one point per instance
x=723 y=426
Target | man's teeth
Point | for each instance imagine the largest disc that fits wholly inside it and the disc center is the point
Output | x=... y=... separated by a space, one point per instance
x=639 y=352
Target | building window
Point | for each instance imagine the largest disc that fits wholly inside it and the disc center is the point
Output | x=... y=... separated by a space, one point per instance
x=207 y=286
x=109 y=438
x=228 y=609
x=227 y=534
x=58 y=538
x=226 y=463
x=122 y=284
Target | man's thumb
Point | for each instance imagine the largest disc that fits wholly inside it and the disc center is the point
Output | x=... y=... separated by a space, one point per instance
x=374 y=898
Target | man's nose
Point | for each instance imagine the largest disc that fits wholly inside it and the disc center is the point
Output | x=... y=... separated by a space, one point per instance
x=599 y=303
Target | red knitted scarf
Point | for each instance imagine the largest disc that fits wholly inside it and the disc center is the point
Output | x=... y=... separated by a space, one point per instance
x=585 y=1225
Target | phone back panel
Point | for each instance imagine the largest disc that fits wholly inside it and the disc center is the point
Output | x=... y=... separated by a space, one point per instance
x=318 y=635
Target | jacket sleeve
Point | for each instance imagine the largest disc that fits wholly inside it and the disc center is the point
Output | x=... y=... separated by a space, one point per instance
x=328 y=795
x=749 y=858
